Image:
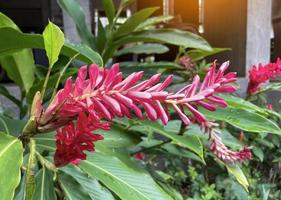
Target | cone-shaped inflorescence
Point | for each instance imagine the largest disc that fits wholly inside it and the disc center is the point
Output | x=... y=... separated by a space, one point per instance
x=100 y=94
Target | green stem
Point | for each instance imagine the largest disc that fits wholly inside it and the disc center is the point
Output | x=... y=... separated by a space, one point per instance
x=45 y=163
x=61 y=74
x=151 y=147
x=181 y=132
x=30 y=171
x=109 y=39
x=46 y=82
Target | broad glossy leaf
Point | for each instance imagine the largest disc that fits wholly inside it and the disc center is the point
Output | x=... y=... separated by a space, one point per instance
x=19 y=66
x=190 y=142
x=198 y=54
x=95 y=190
x=116 y=138
x=109 y=9
x=72 y=189
x=14 y=126
x=53 y=42
x=127 y=182
x=271 y=86
x=11 y=157
x=243 y=119
x=132 y=22
x=168 y=36
x=258 y=152
x=153 y=21
x=238 y=102
x=152 y=65
x=44 y=189
x=46 y=141
x=74 y=10
x=101 y=37
x=148 y=48
x=236 y=171
x=13 y=41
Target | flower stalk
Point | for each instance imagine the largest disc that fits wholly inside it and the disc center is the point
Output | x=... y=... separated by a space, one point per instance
x=30 y=171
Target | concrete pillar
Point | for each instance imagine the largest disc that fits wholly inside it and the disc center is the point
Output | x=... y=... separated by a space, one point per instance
x=258 y=32
x=69 y=26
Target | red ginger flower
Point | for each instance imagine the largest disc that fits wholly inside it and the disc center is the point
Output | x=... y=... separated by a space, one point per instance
x=72 y=140
x=105 y=95
x=225 y=154
x=261 y=74
x=139 y=156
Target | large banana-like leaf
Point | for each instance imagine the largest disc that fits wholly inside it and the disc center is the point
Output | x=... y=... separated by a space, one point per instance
x=95 y=190
x=13 y=41
x=190 y=142
x=128 y=182
x=11 y=158
x=44 y=186
x=72 y=189
x=168 y=36
x=148 y=48
x=132 y=23
x=20 y=65
x=243 y=119
x=74 y=10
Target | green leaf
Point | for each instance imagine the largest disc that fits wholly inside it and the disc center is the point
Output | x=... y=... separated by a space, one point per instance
x=91 y=186
x=236 y=171
x=237 y=102
x=168 y=36
x=14 y=41
x=6 y=21
x=258 y=152
x=199 y=54
x=116 y=138
x=51 y=83
x=153 y=65
x=109 y=9
x=271 y=86
x=45 y=142
x=14 y=126
x=148 y=48
x=19 y=66
x=11 y=158
x=243 y=119
x=127 y=182
x=153 y=20
x=53 y=42
x=101 y=37
x=44 y=189
x=72 y=189
x=86 y=51
x=132 y=23
x=74 y=10
x=239 y=191
x=190 y=142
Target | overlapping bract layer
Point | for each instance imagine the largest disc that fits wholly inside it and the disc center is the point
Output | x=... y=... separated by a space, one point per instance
x=102 y=94
x=225 y=154
x=72 y=140
x=262 y=74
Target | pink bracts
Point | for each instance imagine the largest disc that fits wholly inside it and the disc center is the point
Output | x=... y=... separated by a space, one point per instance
x=100 y=94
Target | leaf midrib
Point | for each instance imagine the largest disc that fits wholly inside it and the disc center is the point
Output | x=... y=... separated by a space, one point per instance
x=117 y=179
x=7 y=147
